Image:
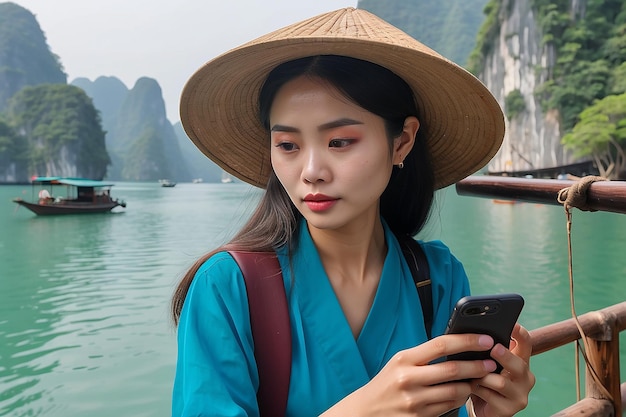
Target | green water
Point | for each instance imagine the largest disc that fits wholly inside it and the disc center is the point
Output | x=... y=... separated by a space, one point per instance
x=84 y=326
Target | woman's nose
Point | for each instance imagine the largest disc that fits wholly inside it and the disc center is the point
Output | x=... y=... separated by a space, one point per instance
x=315 y=167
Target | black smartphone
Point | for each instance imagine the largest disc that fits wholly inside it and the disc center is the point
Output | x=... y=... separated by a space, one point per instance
x=494 y=315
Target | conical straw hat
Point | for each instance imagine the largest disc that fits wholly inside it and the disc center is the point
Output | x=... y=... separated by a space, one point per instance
x=219 y=104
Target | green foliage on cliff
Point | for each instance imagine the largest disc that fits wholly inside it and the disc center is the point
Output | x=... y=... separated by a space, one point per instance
x=601 y=134
x=59 y=122
x=590 y=45
x=514 y=104
x=618 y=79
x=13 y=152
x=25 y=58
x=587 y=80
x=487 y=34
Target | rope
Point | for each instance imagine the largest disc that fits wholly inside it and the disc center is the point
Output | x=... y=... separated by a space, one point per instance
x=576 y=196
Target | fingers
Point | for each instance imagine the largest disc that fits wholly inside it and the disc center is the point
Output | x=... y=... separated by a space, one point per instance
x=443 y=398
x=523 y=343
x=507 y=393
x=506 y=400
x=446 y=345
x=447 y=371
x=515 y=361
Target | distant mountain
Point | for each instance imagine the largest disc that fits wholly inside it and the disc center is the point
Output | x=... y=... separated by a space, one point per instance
x=139 y=144
x=144 y=146
x=200 y=166
x=141 y=140
x=25 y=58
x=108 y=94
x=46 y=126
x=449 y=27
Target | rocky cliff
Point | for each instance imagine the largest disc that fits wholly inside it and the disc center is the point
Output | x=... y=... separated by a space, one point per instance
x=517 y=64
x=108 y=94
x=141 y=140
x=56 y=132
x=25 y=58
x=143 y=144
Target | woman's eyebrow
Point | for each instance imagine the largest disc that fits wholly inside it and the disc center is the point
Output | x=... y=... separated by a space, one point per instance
x=339 y=123
x=283 y=128
x=345 y=121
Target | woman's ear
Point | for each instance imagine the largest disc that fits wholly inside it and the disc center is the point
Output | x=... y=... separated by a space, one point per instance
x=404 y=143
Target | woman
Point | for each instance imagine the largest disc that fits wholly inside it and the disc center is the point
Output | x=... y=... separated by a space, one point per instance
x=350 y=125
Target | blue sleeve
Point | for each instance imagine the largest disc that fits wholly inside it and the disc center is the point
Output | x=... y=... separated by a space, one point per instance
x=449 y=282
x=216 y=373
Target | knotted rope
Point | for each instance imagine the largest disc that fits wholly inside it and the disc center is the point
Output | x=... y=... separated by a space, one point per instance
x=576 y=196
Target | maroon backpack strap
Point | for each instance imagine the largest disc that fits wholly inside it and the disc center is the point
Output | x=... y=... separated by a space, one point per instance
x=271 y=331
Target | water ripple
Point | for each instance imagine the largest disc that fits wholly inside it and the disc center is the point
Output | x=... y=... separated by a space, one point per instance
x=84 y=320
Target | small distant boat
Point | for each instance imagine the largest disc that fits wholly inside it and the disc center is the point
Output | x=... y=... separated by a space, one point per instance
x=197 y=180
x=81 y=196
x=226 y=179
x=167 y=183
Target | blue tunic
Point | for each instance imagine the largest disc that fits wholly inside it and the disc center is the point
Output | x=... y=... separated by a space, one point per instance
x=216 y=374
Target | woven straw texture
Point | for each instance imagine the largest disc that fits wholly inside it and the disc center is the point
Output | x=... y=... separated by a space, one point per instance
x=219 y=111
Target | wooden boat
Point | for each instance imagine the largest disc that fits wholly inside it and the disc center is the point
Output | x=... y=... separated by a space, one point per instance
x=81 y=196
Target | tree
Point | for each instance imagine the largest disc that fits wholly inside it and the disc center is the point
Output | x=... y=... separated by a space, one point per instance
x=618 y=79
x=601 y=134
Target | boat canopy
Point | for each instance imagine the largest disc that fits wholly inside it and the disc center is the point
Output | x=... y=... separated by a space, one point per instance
x=76 y=182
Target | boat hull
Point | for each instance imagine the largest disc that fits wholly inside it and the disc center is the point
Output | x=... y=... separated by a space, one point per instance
x=68 y=207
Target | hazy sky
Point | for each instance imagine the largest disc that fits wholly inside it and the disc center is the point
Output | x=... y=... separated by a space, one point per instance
x=163 y=39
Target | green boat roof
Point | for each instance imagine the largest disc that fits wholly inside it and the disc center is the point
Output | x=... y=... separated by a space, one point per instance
x=76 y=182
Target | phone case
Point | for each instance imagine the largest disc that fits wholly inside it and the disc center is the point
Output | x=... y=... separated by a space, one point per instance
x=494 y=315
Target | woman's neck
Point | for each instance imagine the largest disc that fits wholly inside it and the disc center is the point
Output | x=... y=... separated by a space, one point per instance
x=352 y=253
x=353 y=261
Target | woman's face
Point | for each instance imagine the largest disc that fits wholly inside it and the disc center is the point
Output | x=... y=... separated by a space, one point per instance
x=331 y=156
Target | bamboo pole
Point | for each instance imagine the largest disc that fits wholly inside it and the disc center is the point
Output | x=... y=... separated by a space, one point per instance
x=602 y=195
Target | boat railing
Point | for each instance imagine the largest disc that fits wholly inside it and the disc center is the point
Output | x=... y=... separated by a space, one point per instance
x=607 y=196
x=600 y=329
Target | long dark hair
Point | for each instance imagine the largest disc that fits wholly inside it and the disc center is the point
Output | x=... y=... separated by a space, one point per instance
x=405 y=203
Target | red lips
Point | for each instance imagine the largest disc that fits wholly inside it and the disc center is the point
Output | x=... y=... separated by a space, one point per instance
x=319 y=202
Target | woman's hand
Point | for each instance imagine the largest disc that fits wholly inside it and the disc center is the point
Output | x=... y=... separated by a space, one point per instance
x=409 y=385
x=504 y=394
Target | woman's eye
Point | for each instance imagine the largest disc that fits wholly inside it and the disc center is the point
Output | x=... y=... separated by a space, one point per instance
x=286 y=146
x=340 y=143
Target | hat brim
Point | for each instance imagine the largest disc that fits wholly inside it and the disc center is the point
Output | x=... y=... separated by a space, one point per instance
x=219 y=104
